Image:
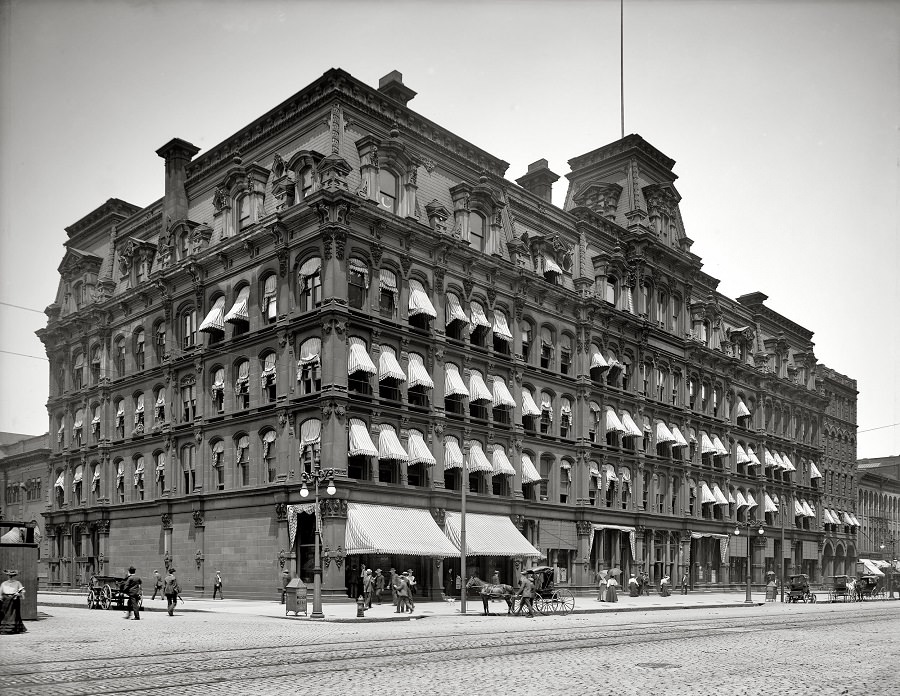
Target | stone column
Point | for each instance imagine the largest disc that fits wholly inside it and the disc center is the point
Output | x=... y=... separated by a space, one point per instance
x=583 y=531
x=199 y=551
x=333 y=554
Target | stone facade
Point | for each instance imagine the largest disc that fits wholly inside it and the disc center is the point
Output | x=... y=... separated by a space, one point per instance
x=879 y=508
x=277 y=302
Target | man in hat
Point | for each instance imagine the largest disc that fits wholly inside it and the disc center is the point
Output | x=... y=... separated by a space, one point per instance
x=526 y=592
x=411 y=584
x=171 y=589
x=157 y=584
x=11 y=591
x=217 y=586
x=368 y=588
x=132 y=587
x=401 y=589
x=379 y=585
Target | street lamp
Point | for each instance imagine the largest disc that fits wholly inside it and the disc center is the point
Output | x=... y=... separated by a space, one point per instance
x=315 y=478
x=760 y=531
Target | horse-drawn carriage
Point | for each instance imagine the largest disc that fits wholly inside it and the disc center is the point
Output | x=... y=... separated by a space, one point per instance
x=798 y=589
x=869 y=587
x=105 y=591
x=549 y=599
x=841 y=588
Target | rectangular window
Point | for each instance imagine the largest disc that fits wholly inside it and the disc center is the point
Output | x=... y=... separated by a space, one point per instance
x=387 y=306
x=565 y=362
x=312 y=292
x=188 y=403
x=546 y=356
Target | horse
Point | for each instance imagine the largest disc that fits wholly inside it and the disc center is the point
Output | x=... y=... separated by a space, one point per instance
x=490 y=591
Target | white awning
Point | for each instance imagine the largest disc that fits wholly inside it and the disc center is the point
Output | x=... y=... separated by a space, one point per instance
x=454 y=310
x=61 y=480
x=418 y=449
x=501 y=327
x=613 y=424
x=401 y=531
x=679 y=438
x=239 y=312
x=79 y=475
x=358 y=358
x=79 y=419
x=387 y=281
x=453 y=456
x=779 y=464
x=453 y=382
x=502 y=465
x=311 y=433
x=546 y=405
x=706 y=495
x=753 y=458
x=856 y=522
x=478 y=390
x=360 y=440
x=871 y=568
x=268 y=371
x=663 y=434
x=359 y=266
x=597 y=360
x=419 y=302
x=529 y=470
x=807 y=510
x=721 y=451
x=770 y=505
x=488 y=535
x=742 y=409
x=478 y=316
x=631 y=429
x=718 y=495
x=788 y=464
x=731 y=498
x=310 y=350
x=501 y=393
x=389 y=447
x=740 y=500
x=388 y=367
x=814 y=471
x=750 y=501
x=826 y=516
x=550 y=266
x=215 y=319
x=529 y=407
x=798 y=509
x=418 y=375
x=478 y=460
x=742 y=457
x=706 y=445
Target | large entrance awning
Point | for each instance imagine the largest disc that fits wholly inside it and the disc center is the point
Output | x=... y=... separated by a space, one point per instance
x=385 y=529
x=489 y=535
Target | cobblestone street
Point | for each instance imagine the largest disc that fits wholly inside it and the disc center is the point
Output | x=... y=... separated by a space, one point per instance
x=823 y=648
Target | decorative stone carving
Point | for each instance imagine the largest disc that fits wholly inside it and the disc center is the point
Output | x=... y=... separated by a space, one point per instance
x=166 y=519
x=439 y=515
x=281 y=512
x=333 y=507
x=198 y=517
x=337 y=556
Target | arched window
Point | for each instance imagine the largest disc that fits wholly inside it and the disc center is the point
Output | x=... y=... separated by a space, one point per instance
x=305 y=182
x=95 y=422
x=269 y=450
x=644 y=295
x=119 y=354
x=565 y=354
x=388 y=293
x=139 y=412
x=502 y=335
x=218 y=389
x=242 y=458
x=268 y=381
x=546 y=412
x=159 y=341
x=95 y=364
x=239 y=314
x=242 y=384
x=357 y=283
x=243 y=207
x=455 y=321
x=610 y=291
x=139 y=477
x=565 y=479
x=77 y=484
x=139 y=352
x=78 y=371
x=270 y=298
x=387 y=191
x=546 y=347
x=218 y=464
x=159 y=405
x=477 y=231
x=359 y=367
x=419 y=381
x=310 y=284
x=188 y=327
x=662 y=310
x=480 y=326
x=160 y=473
x=309 y=366
x=565 y=418
x=527 y=340
x=188 y=401
x=78 y=428
x=188 y=469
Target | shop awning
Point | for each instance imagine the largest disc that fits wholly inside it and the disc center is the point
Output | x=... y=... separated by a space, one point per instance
x=418 y=374
x=401 y=531
x=419 y=302
x=502 y=395
x=488 y=535
x=871 y=568
x=501 y=326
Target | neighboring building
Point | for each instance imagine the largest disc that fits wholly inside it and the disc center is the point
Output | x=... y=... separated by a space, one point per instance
x=879 y=507
x=345 y=281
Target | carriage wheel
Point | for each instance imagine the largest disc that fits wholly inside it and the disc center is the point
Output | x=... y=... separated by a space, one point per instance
x=106 y=597
x=565 y=601
x=812 y=598
x=540 y=605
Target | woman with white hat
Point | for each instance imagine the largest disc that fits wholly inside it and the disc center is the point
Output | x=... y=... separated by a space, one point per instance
x=11 y=614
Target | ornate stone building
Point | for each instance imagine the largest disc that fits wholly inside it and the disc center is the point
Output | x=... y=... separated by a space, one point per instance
x=23 y=477
x=344 y=281
x=879 y=508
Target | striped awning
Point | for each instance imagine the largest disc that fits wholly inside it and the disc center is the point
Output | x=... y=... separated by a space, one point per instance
x=453 y=382
x=360 y=441
x=788 y=464
x=770 y=505
x=768 y=458
x=501 y=393
x=478 y=460
x=215 y=318
x=740 y=500
x=706 y=495
x=310 y=350
x=798 y=509
x=402 y=531
x=454 y=310
x=502 y=465
x=706 y=445
x=388 y=367
x=826 y=516
x=814 y=471
x=779 y=464
x=419 y=453
x=679 y=438
x=478 y=390
x=807 y=510
x=753 y=458
x=479 y=318
x=453 y=456
x=718 y=495
x=742 y=456
x=721 y=450
x=418 y=374
x=501 y=327
x=239 y=311
x=529 y=407
x=742 y=409
x=631 y=429
x=419 y=302
x=550 y=266
x=310 y=433
x=613 y=424
x=751 y=502
x=359 y=266
x=309 y=268
x=387 y=281
x=358 y=359
x=529 y=470
x=597 y=360
x=389 y=447
x=488 y=535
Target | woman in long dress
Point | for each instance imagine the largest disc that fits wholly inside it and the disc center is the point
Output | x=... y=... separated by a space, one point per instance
x=611 y=595
x=10 y=608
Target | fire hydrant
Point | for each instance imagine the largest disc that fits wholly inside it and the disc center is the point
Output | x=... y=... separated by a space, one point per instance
x=360 y=607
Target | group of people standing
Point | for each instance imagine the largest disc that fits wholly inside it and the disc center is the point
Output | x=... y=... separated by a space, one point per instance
x=402 y=586
x=164 y=586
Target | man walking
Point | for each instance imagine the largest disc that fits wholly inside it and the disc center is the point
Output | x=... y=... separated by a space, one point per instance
x=217 y=586
x=379 y=585
x=171 y=589
x=684 y=582
x=157 y=584
x=368 y=588
x=526 y=592
x=132 y=588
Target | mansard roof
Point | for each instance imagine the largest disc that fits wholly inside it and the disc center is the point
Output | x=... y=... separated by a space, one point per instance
x=110 y=213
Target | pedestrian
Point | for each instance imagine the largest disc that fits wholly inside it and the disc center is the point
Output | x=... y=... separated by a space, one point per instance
x=448 y=585
x=611 y=593
x=411 y=583
x=526 y=592
x=217 y=586
x=11 y=592
x=601 y=586
x=684 y=582
x=171 y=589
x=392 y=581
x=664 y=586
x=132 y=588
x=495 y=578
x=402 y=590
x=633 y=588
x=157 y=584
x=379 y=585
x=361 y=582
x=285 y=579
x=368 y=589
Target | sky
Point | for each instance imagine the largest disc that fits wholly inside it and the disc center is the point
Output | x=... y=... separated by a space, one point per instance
x=782 y=117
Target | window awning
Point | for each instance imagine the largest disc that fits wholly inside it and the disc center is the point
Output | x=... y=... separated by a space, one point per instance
x=419 y=302
x=239 y=312
x=718 y=495
x=807 y=510
x=502 y=465
x=453 y=382
x=402 y=531
x=770 y=505
x=546 y=405
x=598 y=361
x=501 y=393
x=453 y=456
x=478 y=460
x=389 y=447
x=742 y=409
x=359 y=266
x=501 y=327
x=529 y=407
x=215 y=319
x=387 y=281
x=753 y=458
x=61 y=480
x=358 y=358
x=740 y=500
x=418 y=449
x=788 y=464
x=79 y=475
x=489 y=535
x=418 y=375
x=478 y=316
x=631 y=428
x=721 y=451
x=826 y=516
x=79 y=419
x=550 y=266
x=663 y=434
x=388 y=367
x=751 y=502
x=454 y=310
x=613 y=424
x=742 y=457
x=310 y=350
x=679 y=438
x=478 y=390
x=706 y=495
x=778 y=463
x=360 y=440
x=856 y=522
x=529 y=470
x=706 y=445
x=768 y=458
x=311 y=433
x=814 y=471
x=798 y=509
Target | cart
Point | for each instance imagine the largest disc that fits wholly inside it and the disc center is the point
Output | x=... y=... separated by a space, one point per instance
x=549 y=599
x=798 y=586
x=105 y=591
x=841 y=588
x=869 y=587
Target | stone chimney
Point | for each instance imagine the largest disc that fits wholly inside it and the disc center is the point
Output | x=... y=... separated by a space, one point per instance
x=391 y=85
x=177 y=153
x=539 y=180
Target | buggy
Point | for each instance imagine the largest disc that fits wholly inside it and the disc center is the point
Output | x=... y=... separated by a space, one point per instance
x=105 y=591
x=799 y=589
x=549 y=599
x=841 y=588
x=869 y=587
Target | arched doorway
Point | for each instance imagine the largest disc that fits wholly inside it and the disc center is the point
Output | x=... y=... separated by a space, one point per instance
x=827 y=561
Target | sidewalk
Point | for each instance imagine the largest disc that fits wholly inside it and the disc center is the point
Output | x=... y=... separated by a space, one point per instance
x=346 y=611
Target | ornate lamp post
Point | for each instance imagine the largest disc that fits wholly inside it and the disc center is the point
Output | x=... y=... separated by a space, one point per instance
x=760 y=531
x=315 y=478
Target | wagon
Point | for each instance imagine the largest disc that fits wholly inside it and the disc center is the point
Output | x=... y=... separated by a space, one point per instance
x=798 y=586
x=869 y=587
x=105 y=591
x=841 y=588
x=549 y=599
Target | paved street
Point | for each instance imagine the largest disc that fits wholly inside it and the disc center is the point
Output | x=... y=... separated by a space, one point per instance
x=823 y=648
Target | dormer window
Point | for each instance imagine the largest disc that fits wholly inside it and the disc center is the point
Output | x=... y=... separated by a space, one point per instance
x=305 y=182
x=477 y=228
x=243 y=212
x=387 y=191
x=609 y=292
